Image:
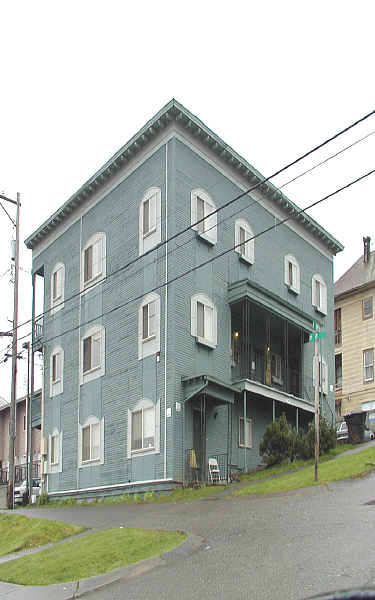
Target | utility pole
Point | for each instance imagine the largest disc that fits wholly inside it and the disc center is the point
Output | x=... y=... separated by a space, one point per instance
x=29 y=435
x=12 y=428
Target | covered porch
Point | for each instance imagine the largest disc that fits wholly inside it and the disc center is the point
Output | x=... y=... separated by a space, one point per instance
x=207 y=430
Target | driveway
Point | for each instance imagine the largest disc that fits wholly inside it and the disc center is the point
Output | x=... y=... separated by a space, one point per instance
x=287 y=546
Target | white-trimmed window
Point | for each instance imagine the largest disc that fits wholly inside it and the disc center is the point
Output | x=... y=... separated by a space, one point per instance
x=150 y=220
x=292 y=273
x=57 y=287
x=203 y=210
x=367 y=310
x=91 y=441
x=92 y=353
x=149 y=326
x=204 y=320
x=56 y=371
x=244 y=244
x=276 y=368
x=322 y=375
x=93 y=261
x=245 y=434
x=55 y=451
x=319 y=294
x=368 y=364
x=144 y=428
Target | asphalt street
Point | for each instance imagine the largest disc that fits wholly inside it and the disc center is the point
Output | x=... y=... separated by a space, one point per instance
x=287 y=546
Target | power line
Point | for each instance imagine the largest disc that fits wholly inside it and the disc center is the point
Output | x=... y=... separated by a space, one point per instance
x=210 y=260
x=228 y=203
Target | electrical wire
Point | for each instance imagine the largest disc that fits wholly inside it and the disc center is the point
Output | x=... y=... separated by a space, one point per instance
x=211 y=260
x=228 y=203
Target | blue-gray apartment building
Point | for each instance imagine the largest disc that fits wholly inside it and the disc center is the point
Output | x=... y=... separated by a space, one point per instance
x=173 y=329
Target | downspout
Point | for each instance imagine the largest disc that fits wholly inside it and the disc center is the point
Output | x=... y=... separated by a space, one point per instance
x=166 y=311
x=79 y=350
x=244 y=429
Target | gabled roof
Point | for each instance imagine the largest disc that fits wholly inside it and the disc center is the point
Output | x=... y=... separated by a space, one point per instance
x=175 y=112
x=3 y=403
x=359 y=275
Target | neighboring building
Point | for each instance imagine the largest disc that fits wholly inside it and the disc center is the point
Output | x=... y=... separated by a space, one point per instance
x=355 y=337
x=20 y=446
x=143 y=381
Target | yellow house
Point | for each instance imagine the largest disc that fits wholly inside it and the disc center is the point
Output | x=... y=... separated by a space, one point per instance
x=355 y=337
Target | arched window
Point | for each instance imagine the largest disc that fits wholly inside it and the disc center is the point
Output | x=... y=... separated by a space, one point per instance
x=202 y=207
x=55 y=451
x=93 y=260
x=204 y=320
x=57 y=287
x=319 y=294
x=149 y=326
x=244 y=244
x=91 y=441
x=56 y=371
x=150 y=220
x=144 y=428
x=92 y=354
x=292 y=274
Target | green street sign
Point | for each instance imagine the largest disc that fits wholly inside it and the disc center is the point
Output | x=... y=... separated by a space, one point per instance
x=317 y=335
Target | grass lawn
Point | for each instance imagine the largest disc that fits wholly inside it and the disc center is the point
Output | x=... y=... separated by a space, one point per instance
x=19 y=533
x=297 y=464
x=90 y=555
x=345 y=467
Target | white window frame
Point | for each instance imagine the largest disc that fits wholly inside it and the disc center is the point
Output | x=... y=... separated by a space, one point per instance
x=279 y=368
x=99 y=269
x=323 y=369
x=90 y=422
x=245 y=249
x=248 y=433
x=365 y=316
x=320 y=304
x=57 y=384
x=144 y=405
x=291 y=263
x=58 y=276
x=368 y=365
x=150 y=237
x=208 y=338
x=97 y=335
x=55 y=466
x=151 y=344
x=206 y=229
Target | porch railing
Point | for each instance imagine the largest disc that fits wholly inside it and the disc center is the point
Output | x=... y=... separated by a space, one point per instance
x=20 y=472
x=197 y=471
x=38 y=332
x=3 y=476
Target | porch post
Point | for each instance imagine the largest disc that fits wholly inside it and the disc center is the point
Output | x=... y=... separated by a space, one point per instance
x=273 y=410
x=31 y=395
x=297 y=424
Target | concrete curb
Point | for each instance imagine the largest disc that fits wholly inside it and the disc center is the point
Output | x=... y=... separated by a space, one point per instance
x=73 y=589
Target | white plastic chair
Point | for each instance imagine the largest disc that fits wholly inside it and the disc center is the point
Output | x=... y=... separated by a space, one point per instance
x=213 y=470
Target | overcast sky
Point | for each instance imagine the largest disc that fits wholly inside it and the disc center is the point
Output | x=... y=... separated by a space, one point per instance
x=272 y=79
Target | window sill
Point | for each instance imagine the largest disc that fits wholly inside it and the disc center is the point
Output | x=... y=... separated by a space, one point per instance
x=206 y=238
x=91 y=282
x=149 y=233
x=142 y=451
x=319 y=310
x=243 y=446
x=245 y=259
x=292 y=290
x=148 y=339
x=92 y=461
x=84 y=373
x=205 y=342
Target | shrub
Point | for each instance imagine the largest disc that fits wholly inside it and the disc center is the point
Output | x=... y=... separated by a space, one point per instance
x=43 y=499
x=277 y=443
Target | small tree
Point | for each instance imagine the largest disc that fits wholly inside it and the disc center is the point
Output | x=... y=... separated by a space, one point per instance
x=277 y=443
